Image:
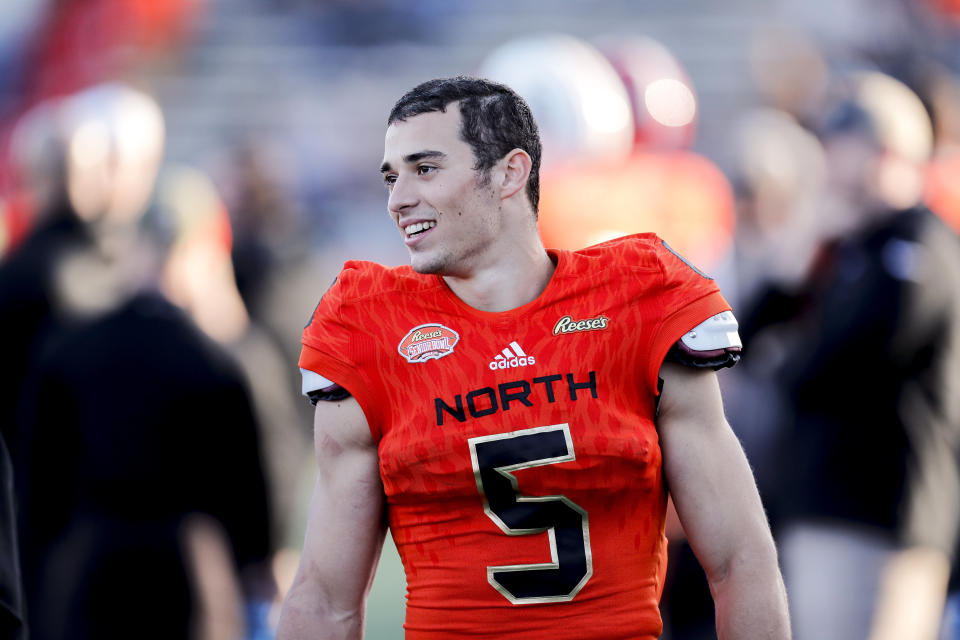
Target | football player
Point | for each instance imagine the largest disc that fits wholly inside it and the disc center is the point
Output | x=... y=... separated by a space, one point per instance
x=516 y=415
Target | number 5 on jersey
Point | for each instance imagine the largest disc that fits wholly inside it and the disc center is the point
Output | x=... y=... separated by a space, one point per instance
x=495 y=458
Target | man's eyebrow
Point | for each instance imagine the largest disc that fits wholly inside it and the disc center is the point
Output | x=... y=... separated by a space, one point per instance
x=415 y=157
x=422 y=155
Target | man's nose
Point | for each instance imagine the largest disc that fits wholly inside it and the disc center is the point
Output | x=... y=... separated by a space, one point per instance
x=403 y=196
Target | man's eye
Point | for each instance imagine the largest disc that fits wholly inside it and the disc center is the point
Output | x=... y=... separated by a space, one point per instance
x=389 y=181
x=423 y=170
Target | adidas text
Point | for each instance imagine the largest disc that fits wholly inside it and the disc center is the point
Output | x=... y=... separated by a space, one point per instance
x=512 y=362
x=512 y=356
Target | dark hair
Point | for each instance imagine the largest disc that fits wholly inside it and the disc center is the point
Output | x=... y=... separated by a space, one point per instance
x=494 y=121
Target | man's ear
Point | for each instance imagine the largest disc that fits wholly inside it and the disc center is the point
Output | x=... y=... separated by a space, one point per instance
x=516 y=171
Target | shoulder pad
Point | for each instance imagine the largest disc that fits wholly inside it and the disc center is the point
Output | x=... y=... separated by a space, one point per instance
x=317 y=388
x=712 y=344
x=717 y=332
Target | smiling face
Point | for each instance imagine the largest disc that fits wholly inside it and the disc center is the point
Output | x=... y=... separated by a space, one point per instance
x=448 y=213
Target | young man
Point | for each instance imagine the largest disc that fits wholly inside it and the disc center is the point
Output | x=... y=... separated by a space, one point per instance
x=499 y=407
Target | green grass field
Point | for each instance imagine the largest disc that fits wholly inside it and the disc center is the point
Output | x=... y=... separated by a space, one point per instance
x=387 y=602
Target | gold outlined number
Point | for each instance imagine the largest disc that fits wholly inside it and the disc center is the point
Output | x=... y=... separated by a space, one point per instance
x=495 y=458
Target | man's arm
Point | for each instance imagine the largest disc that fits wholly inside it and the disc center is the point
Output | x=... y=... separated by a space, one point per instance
x=718 y=504
x=345 y=530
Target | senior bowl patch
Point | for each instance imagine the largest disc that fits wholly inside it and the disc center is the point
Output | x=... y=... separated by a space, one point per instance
x=428 y=342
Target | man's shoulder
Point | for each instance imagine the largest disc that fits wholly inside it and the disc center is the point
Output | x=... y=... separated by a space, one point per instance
x=361 y=280
x=640 y=250
x=641 y=257
x=364 y=291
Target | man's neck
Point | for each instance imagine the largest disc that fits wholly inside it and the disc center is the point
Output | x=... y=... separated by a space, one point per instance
x=507 y=284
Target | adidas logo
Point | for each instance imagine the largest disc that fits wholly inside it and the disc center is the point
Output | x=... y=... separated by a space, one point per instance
x=512 y=356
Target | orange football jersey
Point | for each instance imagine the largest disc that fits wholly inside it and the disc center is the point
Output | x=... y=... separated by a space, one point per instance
x=518 y=450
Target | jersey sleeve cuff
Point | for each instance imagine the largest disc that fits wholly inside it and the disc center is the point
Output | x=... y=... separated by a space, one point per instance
x=343 y=374
x=676 y=325
x=713 y=359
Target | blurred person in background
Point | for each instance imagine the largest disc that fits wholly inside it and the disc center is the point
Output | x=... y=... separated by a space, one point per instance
x=264 y=227
x=142 y=497
x=28 y=315
x=192 y=226
x=486 y=306
x=942 y=93
x=273 y=263
x=12 y=614
x=870 y=490
x=29 y=308
x=778 y=171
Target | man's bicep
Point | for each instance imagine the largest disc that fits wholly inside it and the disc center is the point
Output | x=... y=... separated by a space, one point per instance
x=346 y=526
x=706 y=470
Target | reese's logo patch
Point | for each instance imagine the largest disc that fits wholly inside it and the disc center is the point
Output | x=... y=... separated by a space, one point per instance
x=567 y=324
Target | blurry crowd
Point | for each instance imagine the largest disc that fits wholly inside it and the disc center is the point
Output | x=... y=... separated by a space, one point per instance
x=155 y=442
x=155 y=458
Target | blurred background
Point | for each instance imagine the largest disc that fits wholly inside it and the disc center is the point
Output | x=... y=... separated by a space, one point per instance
x=191 y=175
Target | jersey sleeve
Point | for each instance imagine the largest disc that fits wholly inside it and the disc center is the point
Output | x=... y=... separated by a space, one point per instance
x=332 y=349
x=689 y=300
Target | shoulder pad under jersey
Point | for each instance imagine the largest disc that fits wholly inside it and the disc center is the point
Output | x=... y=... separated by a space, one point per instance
x=714 y=343
x=318 y=388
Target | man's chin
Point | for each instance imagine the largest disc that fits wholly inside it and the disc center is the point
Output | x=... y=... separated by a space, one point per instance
x=438 y=263
x=425 y=267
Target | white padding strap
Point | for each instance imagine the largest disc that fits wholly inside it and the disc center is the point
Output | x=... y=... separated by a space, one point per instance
x=313 y=381
x=718 y=332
